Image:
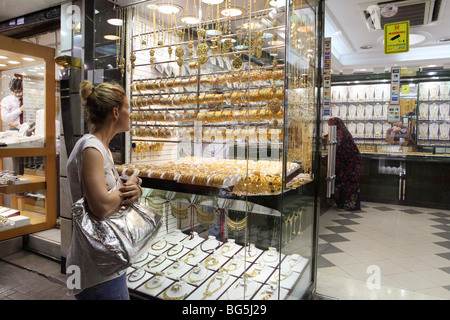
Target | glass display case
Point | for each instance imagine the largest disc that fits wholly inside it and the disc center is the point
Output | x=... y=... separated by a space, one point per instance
x=27 y=139
x=223 y=112
x=398 y=172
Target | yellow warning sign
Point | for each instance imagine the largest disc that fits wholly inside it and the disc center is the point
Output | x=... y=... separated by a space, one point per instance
x=396 y=37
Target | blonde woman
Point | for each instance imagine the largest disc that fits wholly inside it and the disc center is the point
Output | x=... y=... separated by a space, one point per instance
x=90 y=171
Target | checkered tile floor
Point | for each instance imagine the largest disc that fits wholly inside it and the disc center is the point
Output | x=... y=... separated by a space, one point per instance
x=384 y=252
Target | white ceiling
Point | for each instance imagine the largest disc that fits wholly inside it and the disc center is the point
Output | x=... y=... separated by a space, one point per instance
x=346 y=25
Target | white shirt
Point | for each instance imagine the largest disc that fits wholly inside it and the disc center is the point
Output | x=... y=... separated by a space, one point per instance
x=10 y=111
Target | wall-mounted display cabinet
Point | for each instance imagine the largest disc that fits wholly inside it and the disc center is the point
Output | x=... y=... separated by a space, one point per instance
x=27 y=147
x=223 y=117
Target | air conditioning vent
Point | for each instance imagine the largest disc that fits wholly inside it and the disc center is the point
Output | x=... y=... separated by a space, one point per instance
x=417 y=12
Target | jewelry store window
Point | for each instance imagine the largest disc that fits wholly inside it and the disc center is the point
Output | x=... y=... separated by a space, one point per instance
x=222 y=130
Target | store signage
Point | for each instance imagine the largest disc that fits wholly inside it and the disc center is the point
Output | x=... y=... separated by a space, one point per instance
x=395 y=85
x=394 y=113
x=396 y=37
x=326 y=76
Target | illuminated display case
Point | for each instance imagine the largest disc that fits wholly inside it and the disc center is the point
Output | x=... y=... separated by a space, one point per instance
x=223 y=112
x=28 y=166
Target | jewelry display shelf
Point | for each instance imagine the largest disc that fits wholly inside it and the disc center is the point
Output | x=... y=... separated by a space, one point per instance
x=240 y=104
x=33 y=183
x=160 y=275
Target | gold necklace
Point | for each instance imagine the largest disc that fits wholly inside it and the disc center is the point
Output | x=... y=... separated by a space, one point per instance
x=267 y=253
x=283 y=277
x=153 y=266
x=233 y=263
x=158 y=283
x=228 y=247
x=193 y=271
x=211 y=261
x=177 y=252
x=173 y=288
x=208 y=293
x=191 y=254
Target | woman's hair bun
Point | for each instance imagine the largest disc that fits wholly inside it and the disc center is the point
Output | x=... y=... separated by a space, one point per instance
x=86 y=89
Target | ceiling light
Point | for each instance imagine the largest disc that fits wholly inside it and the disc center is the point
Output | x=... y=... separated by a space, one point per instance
x=4 y=57
x=415 y=38
x=231 y=39
x=13 y=62
x=276 y=42
x=3 y=65
x=232 y=12
x=366 y=46
x=190 y=20
x=213 y=1
x=277 y=3
x=111 y=37
x=445 y=39
x=213 y=32
x=169 y=9
x=251 y=26
x=28 y=59
x=115 y=21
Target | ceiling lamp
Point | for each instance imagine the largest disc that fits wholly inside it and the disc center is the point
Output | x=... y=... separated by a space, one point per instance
x=445 y=39
x=28 y=59
x=251 y=26
x=277 y=3
x=276 y=42
x=13 y=62
x=115 y=22
x=111 y=37
x=4 y=57
x=232 y=12
x=213 y=1
x=231 y=39
x=189 y=20
x=169 y=8
x=366 y=46
x=3 y=65
x=213 y=32
x=415 y=38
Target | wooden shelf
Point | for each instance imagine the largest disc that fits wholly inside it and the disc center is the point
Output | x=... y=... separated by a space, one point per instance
x=36 y=183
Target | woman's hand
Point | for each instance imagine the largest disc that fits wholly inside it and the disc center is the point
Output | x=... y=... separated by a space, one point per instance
x=131 y=190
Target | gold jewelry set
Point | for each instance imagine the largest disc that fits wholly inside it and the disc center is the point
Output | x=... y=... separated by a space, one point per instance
x=252 y=76
x=142 y=147
x=223 y=280
x=236 y=97
x=247 y=176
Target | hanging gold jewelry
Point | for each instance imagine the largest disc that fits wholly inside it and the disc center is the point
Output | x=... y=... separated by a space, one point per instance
x=179 y=51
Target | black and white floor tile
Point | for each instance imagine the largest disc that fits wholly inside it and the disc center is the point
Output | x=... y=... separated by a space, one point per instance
x=384 y=251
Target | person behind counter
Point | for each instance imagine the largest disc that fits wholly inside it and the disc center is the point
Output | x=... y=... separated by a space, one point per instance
x=12 y=106
x=398 y=134
x=348 y=164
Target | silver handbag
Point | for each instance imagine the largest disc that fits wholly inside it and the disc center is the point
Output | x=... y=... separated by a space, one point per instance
x=117 y=241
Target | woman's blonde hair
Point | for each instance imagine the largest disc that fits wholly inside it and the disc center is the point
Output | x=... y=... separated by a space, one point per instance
x=100 y=100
